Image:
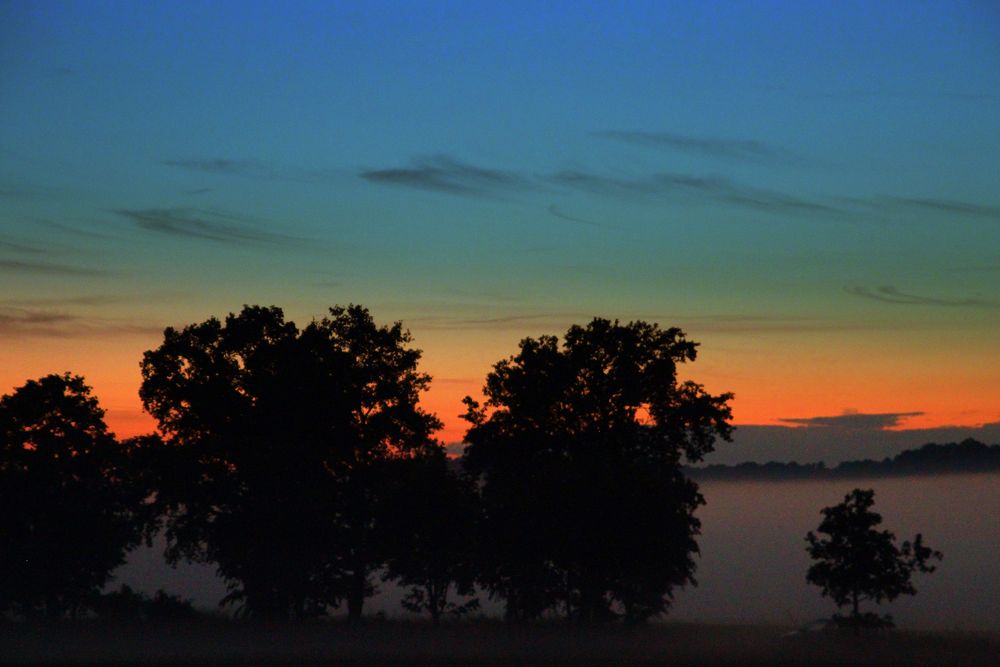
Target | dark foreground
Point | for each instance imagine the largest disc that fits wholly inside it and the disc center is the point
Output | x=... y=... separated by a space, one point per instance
x=398 y=643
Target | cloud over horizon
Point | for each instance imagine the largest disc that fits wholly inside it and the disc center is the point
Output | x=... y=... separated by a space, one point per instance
x=854 y=421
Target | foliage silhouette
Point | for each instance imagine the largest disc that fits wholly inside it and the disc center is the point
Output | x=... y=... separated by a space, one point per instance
x=579 y=446
x=275 y=442
x=68 y=511
x=431 y=521
x=126 y=604
x=856 y=562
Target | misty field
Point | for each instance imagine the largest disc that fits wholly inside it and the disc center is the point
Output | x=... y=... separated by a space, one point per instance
x=477 y=643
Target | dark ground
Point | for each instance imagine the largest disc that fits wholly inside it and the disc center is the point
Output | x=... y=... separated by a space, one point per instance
x=479 y=643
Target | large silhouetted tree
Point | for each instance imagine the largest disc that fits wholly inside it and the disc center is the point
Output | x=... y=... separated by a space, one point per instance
x=856 y=562
x=68 y=512
x=579 y=446
x=276 y=438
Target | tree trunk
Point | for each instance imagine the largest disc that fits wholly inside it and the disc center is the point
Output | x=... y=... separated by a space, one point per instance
x=435 y=603
x=856 y=615
x=356 y=595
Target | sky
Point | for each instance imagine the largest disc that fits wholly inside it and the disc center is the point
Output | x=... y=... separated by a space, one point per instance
x=810 y=190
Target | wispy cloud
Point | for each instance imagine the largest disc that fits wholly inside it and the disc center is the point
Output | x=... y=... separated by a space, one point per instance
x=709 y=188
x=31 y=322
x=442 y=173
x=501 y=318
x=70 y=229
x=557 y=212
x=202 y=224
x=767 y=324
x=20 y=248
x=253 y=169
x=445 y=174
x=946 y=206
x=928 y=205
x=855 y=421
x=889 y=294
x=718 y=147
x=49 y=268
x=86 y=300
x=547 y=322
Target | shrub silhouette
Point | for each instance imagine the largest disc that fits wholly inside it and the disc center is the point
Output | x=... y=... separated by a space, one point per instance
x=856 y=562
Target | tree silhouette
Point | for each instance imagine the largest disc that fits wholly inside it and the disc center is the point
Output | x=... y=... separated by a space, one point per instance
x=68 y=513
x=274 y=443
x=431 y=519
x=857 y=562
x=579 y=447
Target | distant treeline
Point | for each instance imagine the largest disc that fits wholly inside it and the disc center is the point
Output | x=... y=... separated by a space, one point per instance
x=932 y=459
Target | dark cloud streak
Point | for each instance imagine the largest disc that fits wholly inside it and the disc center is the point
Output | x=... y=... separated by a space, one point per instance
x=252 y=169
x=712 y=188
x=557 y=212
x=947 y=206
x=889 y=294
x=35 y=323
x=91 y=300
x=908 y=206
x=202 y=224
x=448 y=175
x=49 y=268
x=742 y=149
x=442 y=173
x=21 y=248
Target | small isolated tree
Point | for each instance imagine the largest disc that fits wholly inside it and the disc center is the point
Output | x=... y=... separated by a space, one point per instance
x=856 y=562
x=579 y=447
x=68 y=513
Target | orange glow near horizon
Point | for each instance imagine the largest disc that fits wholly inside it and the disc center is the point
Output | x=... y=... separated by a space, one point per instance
x=771 y=381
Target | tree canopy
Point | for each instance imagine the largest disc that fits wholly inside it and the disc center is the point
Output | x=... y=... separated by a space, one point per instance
x=857 y=562
x=68 y=512
x=275 y=437
x=579 y=447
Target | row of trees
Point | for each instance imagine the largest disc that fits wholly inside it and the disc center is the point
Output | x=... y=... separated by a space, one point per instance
x=300 y=464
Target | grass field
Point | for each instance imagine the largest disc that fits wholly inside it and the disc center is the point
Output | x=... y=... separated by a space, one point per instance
x=475 y=643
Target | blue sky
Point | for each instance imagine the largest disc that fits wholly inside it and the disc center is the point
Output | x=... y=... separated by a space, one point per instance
x=805 y=187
